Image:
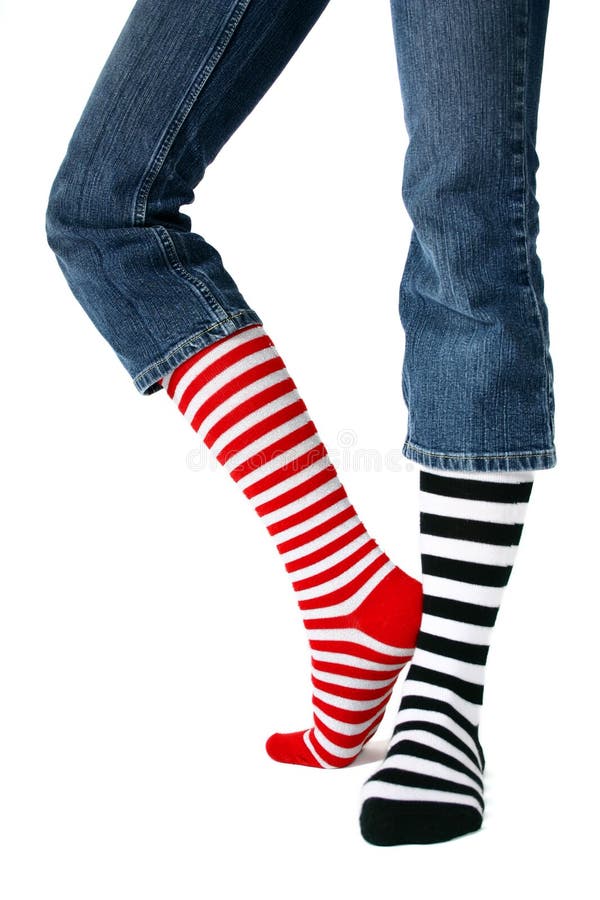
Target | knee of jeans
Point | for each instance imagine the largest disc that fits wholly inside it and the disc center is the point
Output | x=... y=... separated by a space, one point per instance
x=59 y=216
x=78 y=221
x=68 y=210
x=469 y=210
x=479 y=178
x=89 y=193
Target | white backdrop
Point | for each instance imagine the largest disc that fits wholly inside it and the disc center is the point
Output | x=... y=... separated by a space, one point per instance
x=149 y=638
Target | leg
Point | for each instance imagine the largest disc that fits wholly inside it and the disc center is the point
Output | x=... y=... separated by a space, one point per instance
x=429 y=787
x=477 y=371
x=360 y=611
x=477 y=381
x=180 y=79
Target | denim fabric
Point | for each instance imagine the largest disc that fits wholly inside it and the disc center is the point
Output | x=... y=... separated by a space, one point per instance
x=181 y=78
x=477 y=373
x=178 y=82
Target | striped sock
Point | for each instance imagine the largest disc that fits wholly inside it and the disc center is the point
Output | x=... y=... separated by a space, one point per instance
x=361 y=612
x=429 y=787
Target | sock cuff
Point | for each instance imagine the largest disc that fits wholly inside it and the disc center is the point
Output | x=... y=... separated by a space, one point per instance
x=508 y=477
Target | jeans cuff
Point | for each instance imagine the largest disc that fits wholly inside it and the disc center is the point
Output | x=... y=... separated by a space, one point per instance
x=519 y=460
x=146 y=381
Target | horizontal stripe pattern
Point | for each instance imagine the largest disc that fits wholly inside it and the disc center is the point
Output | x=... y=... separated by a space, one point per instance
x=470 y=531
x=499 y=534
x=476 y=489
x=239 y=397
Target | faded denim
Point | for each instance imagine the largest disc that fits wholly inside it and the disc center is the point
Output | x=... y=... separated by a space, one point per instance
x=181 y=78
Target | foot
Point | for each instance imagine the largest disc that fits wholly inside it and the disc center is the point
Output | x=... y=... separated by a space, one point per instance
x=356 y=660
x=429 y=787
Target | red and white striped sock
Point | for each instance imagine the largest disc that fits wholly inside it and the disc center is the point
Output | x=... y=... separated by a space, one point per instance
x=362 y=613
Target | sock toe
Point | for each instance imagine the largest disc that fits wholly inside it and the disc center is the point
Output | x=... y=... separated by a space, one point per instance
x=386 y=823
x=290 y=748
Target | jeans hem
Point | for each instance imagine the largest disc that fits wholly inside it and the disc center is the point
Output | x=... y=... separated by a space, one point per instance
x=517 y=461
x=146 y=381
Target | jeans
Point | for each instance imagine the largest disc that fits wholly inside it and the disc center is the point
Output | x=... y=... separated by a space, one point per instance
x=180 y=79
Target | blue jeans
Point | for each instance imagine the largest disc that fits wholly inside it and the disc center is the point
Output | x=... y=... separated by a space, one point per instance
x=183 y=75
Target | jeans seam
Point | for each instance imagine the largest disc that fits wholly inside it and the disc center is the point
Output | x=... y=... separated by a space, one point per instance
x=403 y=296
x=523 y=73
x=198 y=83
x=173 y=260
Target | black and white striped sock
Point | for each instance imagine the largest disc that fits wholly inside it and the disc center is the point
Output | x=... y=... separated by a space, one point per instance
x=429 y=786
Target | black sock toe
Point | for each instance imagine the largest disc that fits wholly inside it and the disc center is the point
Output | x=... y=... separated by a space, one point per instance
x=388 y=823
